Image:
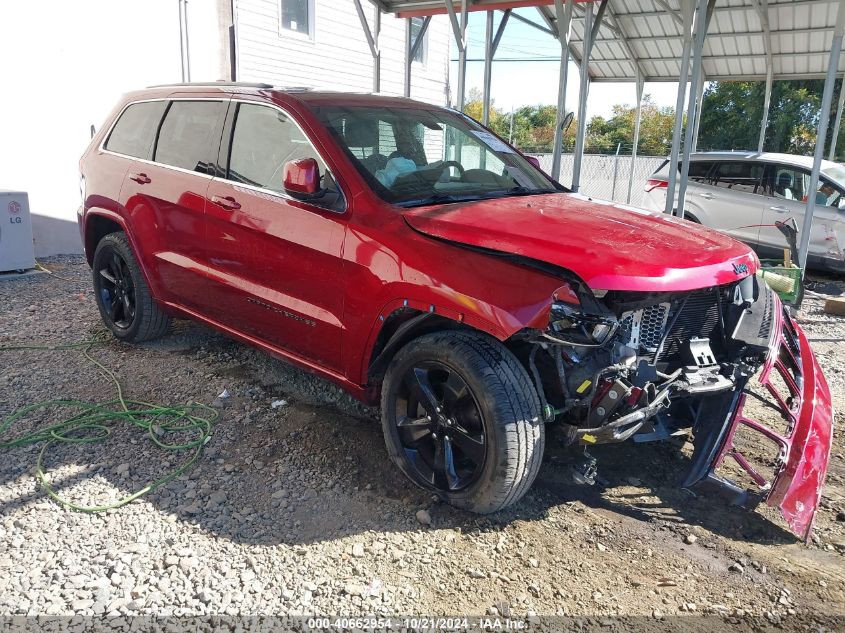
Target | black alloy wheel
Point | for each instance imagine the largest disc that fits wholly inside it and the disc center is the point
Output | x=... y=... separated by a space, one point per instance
x=461 y=418
x=126 y=304
x=440 y=426
x=117 y=290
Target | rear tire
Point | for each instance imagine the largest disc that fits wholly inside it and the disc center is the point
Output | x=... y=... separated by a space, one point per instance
x=123 y=297
x=484 y=399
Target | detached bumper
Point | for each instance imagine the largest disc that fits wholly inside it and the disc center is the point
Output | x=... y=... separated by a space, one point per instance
x=805 y=446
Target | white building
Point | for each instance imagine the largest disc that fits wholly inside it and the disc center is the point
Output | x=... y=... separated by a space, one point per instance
x=65 y=74
x=321 y=44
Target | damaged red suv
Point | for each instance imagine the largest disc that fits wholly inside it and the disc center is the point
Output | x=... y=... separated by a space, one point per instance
x=408 y=254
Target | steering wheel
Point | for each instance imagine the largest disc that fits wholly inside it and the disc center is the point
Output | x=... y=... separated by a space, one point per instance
x=452 y=163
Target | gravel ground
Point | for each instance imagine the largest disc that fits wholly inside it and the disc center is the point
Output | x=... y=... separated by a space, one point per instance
x=295 y=508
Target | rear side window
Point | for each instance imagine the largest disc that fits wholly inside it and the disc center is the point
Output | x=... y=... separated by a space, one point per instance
x=135 y=130
x=186 y=134
x=741 y=176
x=698 y=170
x=264 y=140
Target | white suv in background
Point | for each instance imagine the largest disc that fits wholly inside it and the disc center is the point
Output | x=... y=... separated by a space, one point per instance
x=745 y=193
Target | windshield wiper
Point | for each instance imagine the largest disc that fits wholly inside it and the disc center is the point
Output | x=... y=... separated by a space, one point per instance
x=526 y=191
x=438 y=198
x=445 y=198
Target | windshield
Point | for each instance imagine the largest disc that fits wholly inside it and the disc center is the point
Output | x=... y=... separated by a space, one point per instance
x=414 y=156
x=837 y=174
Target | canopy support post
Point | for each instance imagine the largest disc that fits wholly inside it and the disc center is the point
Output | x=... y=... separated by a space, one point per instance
x=837 y=122
x=372 y=41
x=590 y=29
x=636 y=141
x=767 y=103
x=700 y=97
x=491 y=44
x=460 y=32
x=687 y=7
x=703 y=13
x=488 y=70
x=563 y=14
x=183 y=41
x=827 y=98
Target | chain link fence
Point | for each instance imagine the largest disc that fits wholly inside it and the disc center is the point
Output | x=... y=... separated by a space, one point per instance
x=606 y=176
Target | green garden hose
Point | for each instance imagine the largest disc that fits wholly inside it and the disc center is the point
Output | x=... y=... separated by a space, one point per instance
x=91 y=423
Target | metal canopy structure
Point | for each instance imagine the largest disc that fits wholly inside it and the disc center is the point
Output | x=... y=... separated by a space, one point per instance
x=684 y=41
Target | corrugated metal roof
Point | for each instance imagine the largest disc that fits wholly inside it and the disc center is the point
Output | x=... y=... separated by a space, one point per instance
x=800 y=33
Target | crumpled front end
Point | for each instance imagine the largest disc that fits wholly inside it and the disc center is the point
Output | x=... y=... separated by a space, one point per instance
x=802 y=398
x=726 y=362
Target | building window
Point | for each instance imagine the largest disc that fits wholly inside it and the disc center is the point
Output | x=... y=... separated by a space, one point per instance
x=422 y=50
x=298 y=16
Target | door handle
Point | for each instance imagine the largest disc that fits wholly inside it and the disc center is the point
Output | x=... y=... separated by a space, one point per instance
x=141 y=179
x=227 y=202
x=707 y=196
x=779 y=209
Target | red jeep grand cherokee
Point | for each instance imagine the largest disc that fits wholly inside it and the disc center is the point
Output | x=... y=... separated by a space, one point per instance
x=408 y=254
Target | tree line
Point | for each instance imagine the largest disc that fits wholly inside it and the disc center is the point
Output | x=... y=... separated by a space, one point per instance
x=730 y=119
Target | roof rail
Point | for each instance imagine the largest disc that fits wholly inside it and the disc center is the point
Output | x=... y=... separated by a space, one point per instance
x=240 y=84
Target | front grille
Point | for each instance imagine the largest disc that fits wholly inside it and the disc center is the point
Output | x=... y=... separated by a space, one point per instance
x=643 y=329
x=697 y=318
x=653 y=325
x=691 y=315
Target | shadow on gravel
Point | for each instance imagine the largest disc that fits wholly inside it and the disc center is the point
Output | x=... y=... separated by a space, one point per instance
x=639 y=482
x=315 y=468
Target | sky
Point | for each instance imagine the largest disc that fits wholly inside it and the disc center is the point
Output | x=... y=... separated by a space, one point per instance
x=527 y=82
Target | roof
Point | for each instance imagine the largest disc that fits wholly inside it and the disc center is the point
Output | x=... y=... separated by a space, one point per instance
x=647 y=33
x=327 y=97
x=772 y=157
x=315 y=97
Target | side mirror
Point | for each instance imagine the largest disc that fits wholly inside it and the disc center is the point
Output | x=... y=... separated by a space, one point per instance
x=302 y=178
x=534 y=161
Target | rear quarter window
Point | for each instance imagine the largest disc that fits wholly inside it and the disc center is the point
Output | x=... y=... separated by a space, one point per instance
x=698 y=170
x=135 y=130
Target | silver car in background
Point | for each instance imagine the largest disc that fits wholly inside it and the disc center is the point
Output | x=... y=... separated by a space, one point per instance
x=743 y=194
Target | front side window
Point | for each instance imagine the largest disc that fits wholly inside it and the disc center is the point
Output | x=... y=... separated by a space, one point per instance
x=297 y=16
x=135 y=131
x=791 y=183
x=415 y=156
x=739 y=176
x=264 y=139
x=185 y=137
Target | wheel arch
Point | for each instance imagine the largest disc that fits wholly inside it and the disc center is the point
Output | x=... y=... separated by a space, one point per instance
x=98 y=224
x=399 y=328
x=101 y=222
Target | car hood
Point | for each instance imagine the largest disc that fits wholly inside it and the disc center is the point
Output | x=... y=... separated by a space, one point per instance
x=611 y=247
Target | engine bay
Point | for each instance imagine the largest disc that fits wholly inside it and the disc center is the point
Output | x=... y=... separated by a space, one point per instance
x=629 y=365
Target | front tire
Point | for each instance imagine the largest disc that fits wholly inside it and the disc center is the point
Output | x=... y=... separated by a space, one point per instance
x=123 y=297
x=462 y=418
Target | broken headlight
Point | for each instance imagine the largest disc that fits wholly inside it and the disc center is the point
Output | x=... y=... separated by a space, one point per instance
x=569 y=325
